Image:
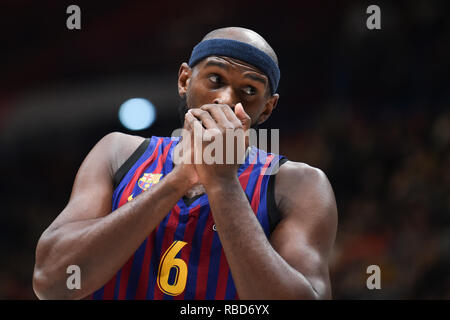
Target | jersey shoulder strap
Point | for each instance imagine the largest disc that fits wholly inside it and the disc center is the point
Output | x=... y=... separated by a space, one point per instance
x=128 y=164
x=272 y=210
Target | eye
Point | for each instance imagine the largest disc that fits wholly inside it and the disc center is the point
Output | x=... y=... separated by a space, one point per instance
x=214 y=78
x=250 y=90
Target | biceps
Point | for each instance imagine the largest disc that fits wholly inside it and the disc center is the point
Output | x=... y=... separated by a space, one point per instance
x=94 y=201
x=302 y=254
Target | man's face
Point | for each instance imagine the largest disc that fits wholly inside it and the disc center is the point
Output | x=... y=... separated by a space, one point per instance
x=224 y=80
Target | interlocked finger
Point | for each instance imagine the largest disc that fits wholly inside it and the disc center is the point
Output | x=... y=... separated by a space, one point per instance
x=217 y=113
x=204 y=117
x=231 y=116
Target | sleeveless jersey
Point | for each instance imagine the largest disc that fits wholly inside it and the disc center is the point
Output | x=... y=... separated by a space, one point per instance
x=183 y=257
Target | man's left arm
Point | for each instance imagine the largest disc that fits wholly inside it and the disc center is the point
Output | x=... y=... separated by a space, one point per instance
x=293 y=263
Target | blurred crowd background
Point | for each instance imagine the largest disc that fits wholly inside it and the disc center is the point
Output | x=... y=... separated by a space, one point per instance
x=371 y=108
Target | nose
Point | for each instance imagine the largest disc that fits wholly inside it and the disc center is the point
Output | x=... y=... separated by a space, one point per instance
x=226 y=96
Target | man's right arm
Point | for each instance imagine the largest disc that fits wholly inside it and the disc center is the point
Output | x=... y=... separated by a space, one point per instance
x=87 y=235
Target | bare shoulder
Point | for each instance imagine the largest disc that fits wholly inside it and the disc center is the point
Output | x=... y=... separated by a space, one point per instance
x=301 y=189
x=121 y=146
x=298 y=170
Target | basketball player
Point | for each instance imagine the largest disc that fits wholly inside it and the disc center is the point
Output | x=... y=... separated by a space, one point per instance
x=140 y=227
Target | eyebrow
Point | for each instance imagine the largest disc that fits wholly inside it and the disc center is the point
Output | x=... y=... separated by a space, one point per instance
x=224 y=66
x=256 y=78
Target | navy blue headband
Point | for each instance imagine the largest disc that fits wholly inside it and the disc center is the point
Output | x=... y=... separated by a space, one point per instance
x=241 y=51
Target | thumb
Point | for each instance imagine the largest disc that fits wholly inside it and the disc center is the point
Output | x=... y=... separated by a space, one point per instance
x=242 y=116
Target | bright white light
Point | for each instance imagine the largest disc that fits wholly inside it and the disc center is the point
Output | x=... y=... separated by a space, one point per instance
x=137 y=114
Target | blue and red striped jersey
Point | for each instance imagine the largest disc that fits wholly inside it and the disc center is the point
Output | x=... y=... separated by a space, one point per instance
x=183 y=257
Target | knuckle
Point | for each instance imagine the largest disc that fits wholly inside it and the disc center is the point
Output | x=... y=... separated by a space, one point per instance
x=238 y=126
x=215 y=132
x=203 y=112
x=229 y=126
x=206 y=107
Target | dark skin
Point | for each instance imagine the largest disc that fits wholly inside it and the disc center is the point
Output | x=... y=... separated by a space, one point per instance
x=292 y=264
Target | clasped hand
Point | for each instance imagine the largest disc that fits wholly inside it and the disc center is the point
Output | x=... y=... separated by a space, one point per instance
x=214 y=141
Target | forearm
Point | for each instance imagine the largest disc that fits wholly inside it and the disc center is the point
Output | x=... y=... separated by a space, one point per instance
x=259 y=272
x=101 y=246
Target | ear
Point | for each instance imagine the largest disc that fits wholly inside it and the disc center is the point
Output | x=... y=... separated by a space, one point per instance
x=271 y=104
x=184 y=75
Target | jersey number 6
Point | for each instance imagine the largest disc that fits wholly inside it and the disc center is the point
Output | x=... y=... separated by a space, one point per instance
x=168 y=262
